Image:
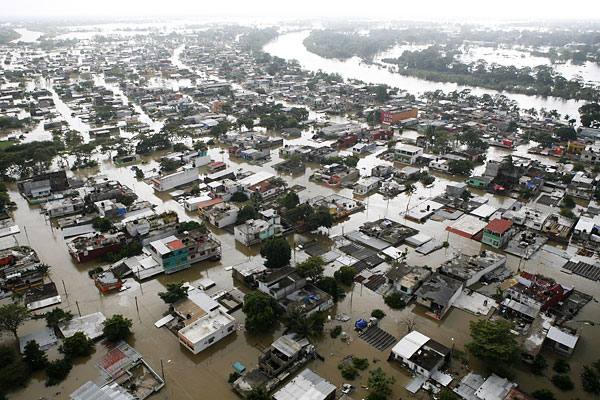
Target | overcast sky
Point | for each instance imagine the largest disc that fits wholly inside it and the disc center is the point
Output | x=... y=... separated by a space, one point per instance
x=464 y=10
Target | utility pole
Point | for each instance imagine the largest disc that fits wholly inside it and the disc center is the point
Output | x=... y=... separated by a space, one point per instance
x=78 y=310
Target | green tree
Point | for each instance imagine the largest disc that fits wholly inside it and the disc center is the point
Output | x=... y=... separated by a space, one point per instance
x=247 y=212
x=590 y=380
x=175 y=292
x=330 y=286
x=345 y=275
x=568 y=202
x=102 y=224
x=56 y=316
x=289 y=200
x=12 y=317
x=321 y=217
x=539 y=365
x=13 y=371
x=57 y=371
x=117 y=328
x=258 y=393
x=306 y=326
x=380 y=384
x=262 y=312
x=561 y=366
x=34 y=357
x=312 y=268
x=563 y=382
x=377 y=313
x=447 y=394
x=543 y=394
x=494 y=343
x=277 y=252
x=460 y=167
x=239 y=197
x=395 y=300
x=78 y=345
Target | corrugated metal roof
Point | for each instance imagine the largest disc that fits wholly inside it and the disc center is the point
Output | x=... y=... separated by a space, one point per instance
x=409 y=344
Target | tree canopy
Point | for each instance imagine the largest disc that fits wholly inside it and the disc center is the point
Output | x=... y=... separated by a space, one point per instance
x=277 y=251
x=12 y=316
x=493 y=343
x=312 y=268
x=262 y=312
x=175 y=292
x=117 y=328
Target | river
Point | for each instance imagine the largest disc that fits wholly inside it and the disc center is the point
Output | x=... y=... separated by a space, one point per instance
x=290 y=47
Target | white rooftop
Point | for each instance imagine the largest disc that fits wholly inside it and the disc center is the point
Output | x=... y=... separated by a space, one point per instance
x=409 y=344
x=306 y=386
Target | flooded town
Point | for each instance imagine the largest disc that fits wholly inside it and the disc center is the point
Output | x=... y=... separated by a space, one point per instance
x=308 y=209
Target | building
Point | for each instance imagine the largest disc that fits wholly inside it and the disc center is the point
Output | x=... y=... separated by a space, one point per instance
x=44 y=184
x=256 y=230
x=475 y=387
x=281 y=282
x=561 y=341
x=221 y=215
x=306 y=386
x=438 y=293
x=182 y=177
x=407 y=153
x=392 y=115
x=205 y=323
x=92 y=246
x=420 y=354
x=470 y=269
x=497 y=233
x=366 y=185
x=62 y=207
x=107 y=281
x=439 y=164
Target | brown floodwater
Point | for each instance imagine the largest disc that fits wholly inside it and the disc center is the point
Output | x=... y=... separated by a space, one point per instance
x=204 y=376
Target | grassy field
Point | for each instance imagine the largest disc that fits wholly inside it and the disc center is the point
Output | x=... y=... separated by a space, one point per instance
x=5 y=143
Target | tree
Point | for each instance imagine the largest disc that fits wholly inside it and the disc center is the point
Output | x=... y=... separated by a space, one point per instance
x=379 y=384
x=289 y=200
x=247 y=212
x=563 y=382
x=410 y=189
x=239 y=197
x=561 y=366
x=493 y=343
x=568 y=202
x=277 y=251
x=262 y=312
x=320 y=217
x=102 y=224
x=377 y=313
x=34 y=357
x=312 y=268
x=11 y=317
x=175 y=292
x=564 y=134
x=57 y=371
x=460 y=167
x=539 y=365
x=329 y=285
x=306 y=326
x=78 y=345
x=345 y=275
x=590 y=380
x=56 y=316
x=543 y=394
x=447 y=394
x=258 y=393
x=395 y=300
x=13 y=371
x=117 y=328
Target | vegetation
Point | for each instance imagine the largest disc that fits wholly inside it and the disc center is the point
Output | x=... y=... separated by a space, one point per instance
x=298 y=322
x=348 y=371
x=336 y=331
x=289 y=200
x=56 y=316
x=395 y=300
x=312 y=268
x=12 y=317
x=277 y=252
x=78 y=345
x=102 y=224
x=377 y=313
x=345 y=275
x=58 y=370
x=262 y=312
x=341 y=45
x=117 y=328
x=34 y=357
x=239 y=197
x=561 y=366
x=360 y=363
x=460 y=167
x=156 y=142
x=379 y=384
x=563 y=382
x=128 y=250
x=258 y=393
x=494 y=344
x=590 y=114
x=189 y=226
x=539 y=365
x=247 y=212
x=590 y=379
x=330 y=286
x=13 y=371
x=25 y=159
x=175 y=292
x=447 y=394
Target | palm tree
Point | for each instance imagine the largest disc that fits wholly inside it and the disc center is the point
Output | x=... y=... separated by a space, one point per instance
x=410 y=189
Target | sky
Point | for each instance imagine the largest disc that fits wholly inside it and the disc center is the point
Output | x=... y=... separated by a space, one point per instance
x=461 y=10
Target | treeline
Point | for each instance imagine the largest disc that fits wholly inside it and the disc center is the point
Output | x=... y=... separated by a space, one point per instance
x=8 y=35
x=332 y=44
x=255 y=39
x=439 y=64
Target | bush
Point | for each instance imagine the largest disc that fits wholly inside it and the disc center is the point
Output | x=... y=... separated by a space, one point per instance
x=34 y=357
x=563 y=382
x=561 y=366
x=348 y=371
x=57 y=371
x=543 y=394
x=395 y=300
x=379 y=314
x=117 y=328
x=590 y=380
x=77 y=345
x=336 y=331
x=360 y=363
x=539 y=365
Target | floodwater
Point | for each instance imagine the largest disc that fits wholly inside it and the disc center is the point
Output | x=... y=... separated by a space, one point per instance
x=27 y=36
x=204 y=376
x=289 y=46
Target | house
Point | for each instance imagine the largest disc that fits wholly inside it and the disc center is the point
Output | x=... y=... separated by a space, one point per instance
x=366 y=185
x=256 y=230
x=182 y=177
x=201 y=202
x=438 y=293
x=107 y=281
x=390 y=116
x=44 y=184
x=249 y=272
x=561 y=340
x=407 y=280
x=205 y=323
x=420 y=354
x=439 y=164
x=581 y=186
x=406 y=153
x=497 y=233
x=221 y=215
x=62 y=207
x=480 y=182
x=587 y=228
x=475 y=387
x=530 y=217
x=470 y=269
x=280 y=282
x=306 y=386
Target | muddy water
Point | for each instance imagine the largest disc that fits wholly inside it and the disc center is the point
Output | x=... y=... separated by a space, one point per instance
x=205 y=375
